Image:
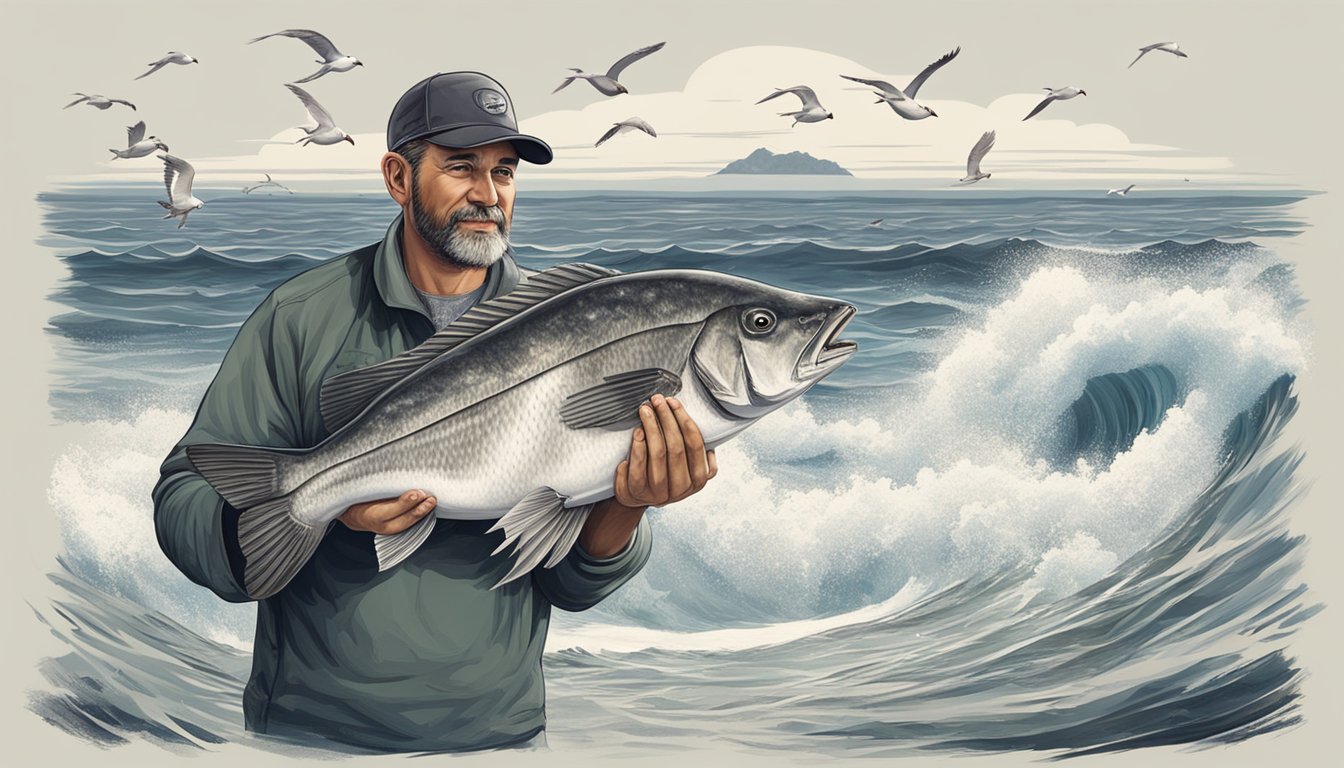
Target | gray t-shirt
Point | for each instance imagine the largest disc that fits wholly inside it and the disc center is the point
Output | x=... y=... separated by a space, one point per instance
x=443 y=310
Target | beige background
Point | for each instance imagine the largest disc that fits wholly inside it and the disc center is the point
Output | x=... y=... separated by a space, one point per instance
x=1275 y=109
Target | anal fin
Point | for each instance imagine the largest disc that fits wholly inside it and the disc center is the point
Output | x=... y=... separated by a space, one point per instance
x=392 y=548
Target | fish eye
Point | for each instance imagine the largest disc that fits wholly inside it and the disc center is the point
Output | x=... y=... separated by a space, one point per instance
x=757 y=321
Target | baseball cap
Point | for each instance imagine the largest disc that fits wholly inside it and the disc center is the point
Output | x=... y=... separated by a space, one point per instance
x=461 y=109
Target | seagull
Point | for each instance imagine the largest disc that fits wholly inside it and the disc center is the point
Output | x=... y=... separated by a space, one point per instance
x=177 y=177
x=267 y=183
x=903 y=102
x=607 y=83
x=332 y=60
x=1168 y=47
x=1120 y=192
x=326 y=131
x=138 y=144
x=812 y=111
x=1056 y=94
x=978 y=153
x=874 y=222
x=628 y=124
x=173 y=57
x=94 y=100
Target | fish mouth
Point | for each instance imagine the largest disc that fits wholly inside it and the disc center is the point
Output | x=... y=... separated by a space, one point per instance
x=827 y=351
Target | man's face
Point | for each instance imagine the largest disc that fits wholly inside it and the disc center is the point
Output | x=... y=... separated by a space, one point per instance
x=462 y=202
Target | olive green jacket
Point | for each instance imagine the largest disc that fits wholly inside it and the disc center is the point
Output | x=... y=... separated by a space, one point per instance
x=425 y=656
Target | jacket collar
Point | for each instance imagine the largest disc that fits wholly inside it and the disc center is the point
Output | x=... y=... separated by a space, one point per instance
x=389 y=274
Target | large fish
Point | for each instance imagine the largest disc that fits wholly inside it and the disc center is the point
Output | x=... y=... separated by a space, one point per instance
x=522 y=409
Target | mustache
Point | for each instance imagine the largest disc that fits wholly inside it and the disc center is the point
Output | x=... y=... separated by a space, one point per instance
x=473 y=212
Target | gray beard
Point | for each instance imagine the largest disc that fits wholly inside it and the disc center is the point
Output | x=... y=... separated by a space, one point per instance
x=460 y=247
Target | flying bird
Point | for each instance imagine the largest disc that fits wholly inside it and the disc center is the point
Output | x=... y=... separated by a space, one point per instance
x=607 y=84
x=812 y=111
x=1056 y=94
x=628 y=124
x=1120 y=192
x=332 y=60
x=326 y=131
x=138 y=144
x=1168 y=47
x=173 y=57
x=94 y=100
x=177 y=177
x=874 y=222
x=978 y=152
x=902 y=102
x=267 y=183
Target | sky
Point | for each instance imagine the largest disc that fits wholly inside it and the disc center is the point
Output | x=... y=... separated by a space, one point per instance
x=1231 y=114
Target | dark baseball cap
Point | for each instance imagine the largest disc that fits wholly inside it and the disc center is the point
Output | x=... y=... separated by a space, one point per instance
x=461 y=110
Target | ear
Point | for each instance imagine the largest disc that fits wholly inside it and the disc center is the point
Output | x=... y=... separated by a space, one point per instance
x=397 y=178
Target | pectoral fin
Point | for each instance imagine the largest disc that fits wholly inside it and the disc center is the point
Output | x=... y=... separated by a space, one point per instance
x=616 y=400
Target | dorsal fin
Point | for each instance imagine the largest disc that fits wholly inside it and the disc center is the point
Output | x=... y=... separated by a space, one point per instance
x=346 y=395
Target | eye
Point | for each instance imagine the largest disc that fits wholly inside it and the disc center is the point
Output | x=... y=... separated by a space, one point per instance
x=758 y=321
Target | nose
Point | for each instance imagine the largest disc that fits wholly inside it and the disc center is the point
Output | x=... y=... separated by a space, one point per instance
x=483 y=190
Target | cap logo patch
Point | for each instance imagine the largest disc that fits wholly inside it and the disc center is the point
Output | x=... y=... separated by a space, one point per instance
x=491 y=101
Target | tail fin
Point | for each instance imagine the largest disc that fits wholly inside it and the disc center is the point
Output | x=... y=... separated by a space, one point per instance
x=275 y=546
x=539 y=525
x=243 y=475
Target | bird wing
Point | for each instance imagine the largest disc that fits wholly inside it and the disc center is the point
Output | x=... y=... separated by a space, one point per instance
x=1142 y=51
x=913 y=88
x=315 y=40
x=177 y=177
x=155 y=66
x=615 y=129
x=82 y=98
x=807 y=95
x=268 y=177
x=1040 y=106
x=641 y=124
x=887 y=88
x=978 y=152
x=630 y=58
x=123 y=101
x=135 y=133
x=315 y=110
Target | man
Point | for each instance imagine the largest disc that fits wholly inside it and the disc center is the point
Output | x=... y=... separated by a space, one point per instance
x=424 y=656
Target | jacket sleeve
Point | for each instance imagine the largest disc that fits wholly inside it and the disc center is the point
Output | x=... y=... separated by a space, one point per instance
x=581 y=581
x=252 y=401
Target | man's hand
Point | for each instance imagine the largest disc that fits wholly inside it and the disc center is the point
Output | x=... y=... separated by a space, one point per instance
x=667 y=463
x=668 y=460
x=389 y=515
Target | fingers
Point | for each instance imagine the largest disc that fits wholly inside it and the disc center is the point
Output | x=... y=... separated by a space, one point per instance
x=696 y=460
x=656 y=469
x=678 y=476
x=637 y=484
x=389 y=515
x=413 y=506
x=623 y=485
x=713 y=463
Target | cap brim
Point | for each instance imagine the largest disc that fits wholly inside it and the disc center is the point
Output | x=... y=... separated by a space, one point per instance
x=529 y=148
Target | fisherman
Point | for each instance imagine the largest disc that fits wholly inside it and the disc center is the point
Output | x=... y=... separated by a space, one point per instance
x=424 y=656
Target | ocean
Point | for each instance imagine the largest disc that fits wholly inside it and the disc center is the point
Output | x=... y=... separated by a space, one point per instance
x=1043 y=508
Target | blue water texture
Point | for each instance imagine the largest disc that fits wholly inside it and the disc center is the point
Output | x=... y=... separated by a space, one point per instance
x=975 y=585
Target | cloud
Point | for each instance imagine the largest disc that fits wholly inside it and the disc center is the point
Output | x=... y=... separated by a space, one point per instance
x=714 y=120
